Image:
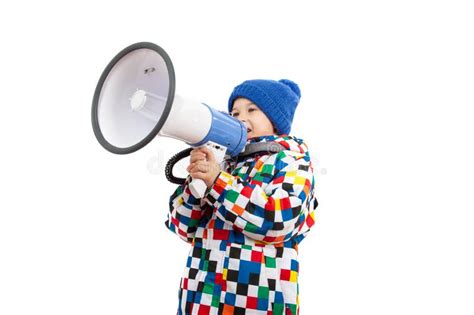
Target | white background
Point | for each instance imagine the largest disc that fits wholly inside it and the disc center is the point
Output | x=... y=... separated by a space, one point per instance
x=386 y=110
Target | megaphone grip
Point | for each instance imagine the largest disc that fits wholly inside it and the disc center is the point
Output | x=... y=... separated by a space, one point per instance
x=198 y=187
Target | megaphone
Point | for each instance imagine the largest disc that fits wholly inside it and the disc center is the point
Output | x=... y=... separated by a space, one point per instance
x=135 y=101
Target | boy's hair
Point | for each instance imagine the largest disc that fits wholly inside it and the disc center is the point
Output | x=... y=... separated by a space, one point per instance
x=277 y=99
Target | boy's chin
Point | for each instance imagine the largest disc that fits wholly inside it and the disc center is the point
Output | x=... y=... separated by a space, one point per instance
x=251 y=135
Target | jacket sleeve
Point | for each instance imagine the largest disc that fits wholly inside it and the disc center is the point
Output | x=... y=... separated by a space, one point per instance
x=273 y=215
x=185 y=212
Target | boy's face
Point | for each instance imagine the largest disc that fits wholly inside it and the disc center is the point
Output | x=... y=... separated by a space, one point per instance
x=257 y=122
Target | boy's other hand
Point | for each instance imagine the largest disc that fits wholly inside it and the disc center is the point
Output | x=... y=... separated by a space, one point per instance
x=203 y=165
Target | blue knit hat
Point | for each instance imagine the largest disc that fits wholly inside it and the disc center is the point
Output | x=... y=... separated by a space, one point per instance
x=277 y=99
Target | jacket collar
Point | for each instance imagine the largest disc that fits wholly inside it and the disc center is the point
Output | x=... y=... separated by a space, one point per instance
x=289 y=142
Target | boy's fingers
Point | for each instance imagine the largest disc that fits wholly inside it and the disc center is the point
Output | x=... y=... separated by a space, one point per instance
x=208 y=153
x=197 y=157
x=198 y=167
x=197 y=152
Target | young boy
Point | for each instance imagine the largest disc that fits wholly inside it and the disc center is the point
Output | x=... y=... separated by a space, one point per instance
x=245 y=231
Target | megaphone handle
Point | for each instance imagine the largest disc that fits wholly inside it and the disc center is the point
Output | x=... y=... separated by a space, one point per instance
x=197 y=186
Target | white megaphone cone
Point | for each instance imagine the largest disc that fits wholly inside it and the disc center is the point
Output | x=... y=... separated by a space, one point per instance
x=135 y=101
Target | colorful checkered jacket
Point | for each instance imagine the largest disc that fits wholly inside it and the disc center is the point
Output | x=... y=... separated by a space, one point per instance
x=245 y=233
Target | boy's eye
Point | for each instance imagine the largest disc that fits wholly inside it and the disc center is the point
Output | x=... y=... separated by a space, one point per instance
x=237 y=114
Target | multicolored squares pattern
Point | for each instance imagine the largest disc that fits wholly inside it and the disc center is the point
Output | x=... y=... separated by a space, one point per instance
x=245 y=233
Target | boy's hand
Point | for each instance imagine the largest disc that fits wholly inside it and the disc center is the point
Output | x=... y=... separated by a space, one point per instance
x=203 y=165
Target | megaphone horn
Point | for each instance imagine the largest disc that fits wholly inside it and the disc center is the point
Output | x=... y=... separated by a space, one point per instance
x=135 y=101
